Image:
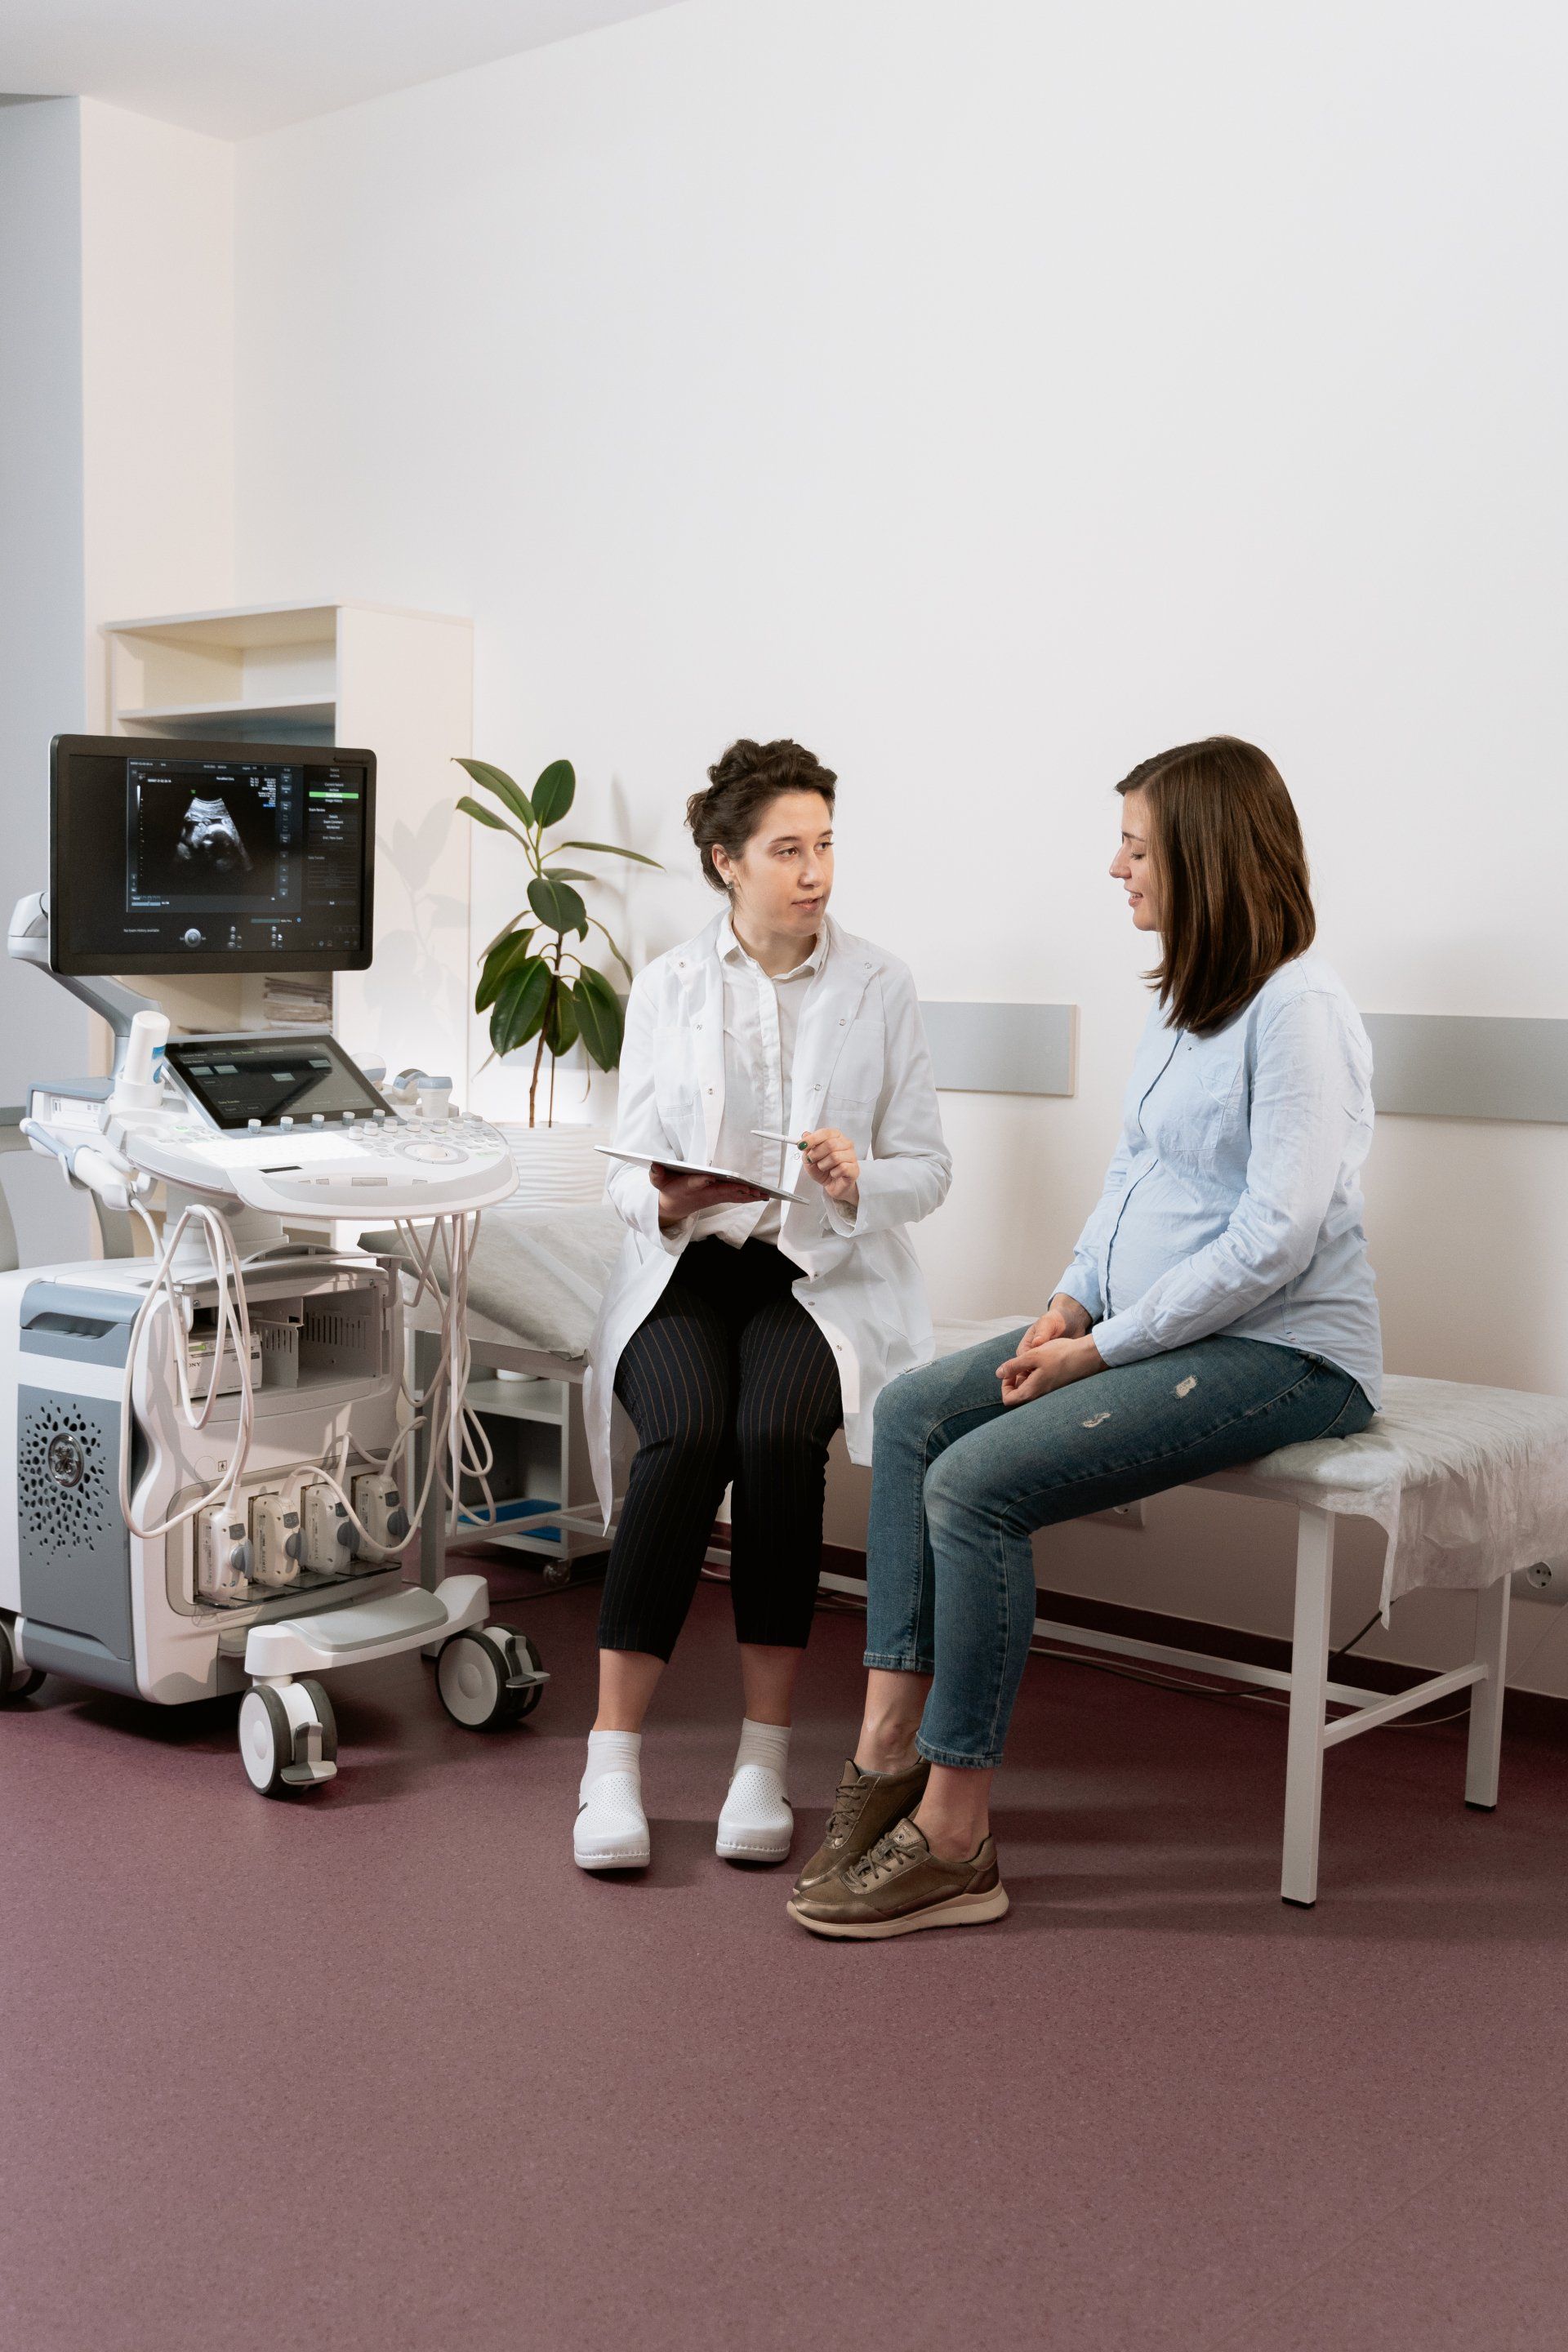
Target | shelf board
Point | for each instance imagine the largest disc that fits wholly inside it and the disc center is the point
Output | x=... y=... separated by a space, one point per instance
x=510 y=1398
x=316 y=711
x=243 y=626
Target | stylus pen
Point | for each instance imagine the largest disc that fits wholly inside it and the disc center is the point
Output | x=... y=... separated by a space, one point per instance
x=767 y=1136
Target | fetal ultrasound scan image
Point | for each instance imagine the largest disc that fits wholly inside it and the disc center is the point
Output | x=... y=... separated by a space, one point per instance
x=209 y=840
x=206 y=850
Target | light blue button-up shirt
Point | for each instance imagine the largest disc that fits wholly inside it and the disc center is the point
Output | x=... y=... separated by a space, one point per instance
x=1233 y=1203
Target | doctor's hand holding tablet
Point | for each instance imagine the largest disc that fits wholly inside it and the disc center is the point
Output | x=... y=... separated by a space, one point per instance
x=825 y=1154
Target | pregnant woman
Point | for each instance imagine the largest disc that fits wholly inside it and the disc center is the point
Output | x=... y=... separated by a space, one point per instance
x=740 y=1329
x=1219 y=1303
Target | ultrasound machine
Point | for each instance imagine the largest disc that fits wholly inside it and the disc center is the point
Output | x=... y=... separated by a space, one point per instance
x=210 y=1484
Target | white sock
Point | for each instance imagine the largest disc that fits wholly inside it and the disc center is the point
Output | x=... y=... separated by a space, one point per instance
x=766 y=1744
x=611 y=1751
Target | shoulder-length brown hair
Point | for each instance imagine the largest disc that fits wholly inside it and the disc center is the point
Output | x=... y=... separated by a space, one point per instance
x=1232 y=873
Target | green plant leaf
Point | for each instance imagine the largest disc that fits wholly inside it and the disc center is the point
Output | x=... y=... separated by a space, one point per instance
x=558 y=906
x=615 y=950
x=497 y=781
x=569 y=873
x=610 y=850
x=506 y=953
x=554 y=792
x=486 y=816
x=505 y=932
x=520 y=1006
x=600 y=1019
x=561 y=1020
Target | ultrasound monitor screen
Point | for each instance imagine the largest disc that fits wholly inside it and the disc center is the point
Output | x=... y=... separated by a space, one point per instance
x=248 y=857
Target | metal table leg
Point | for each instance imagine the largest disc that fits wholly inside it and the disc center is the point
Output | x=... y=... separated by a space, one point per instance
x=1486 y=1698
x=1309 y=1697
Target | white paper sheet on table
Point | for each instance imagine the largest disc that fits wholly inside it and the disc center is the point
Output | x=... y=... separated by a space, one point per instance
x=1468 y=1484
x=541 y=1272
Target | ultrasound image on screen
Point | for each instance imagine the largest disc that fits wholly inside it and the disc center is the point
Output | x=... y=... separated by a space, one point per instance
x=201 y=842
x=210 y=841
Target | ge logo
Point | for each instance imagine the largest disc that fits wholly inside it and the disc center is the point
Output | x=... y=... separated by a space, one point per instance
x=65 y=1461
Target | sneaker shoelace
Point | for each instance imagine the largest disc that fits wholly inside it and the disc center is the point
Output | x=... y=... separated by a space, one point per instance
x=846 y=1812
x=886 y=1860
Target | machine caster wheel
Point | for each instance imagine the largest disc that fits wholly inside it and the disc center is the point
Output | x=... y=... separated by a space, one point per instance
x=322 y=1706
x=16 y=1682
x=288 y=1742
x=266 y=1739
x=471 y=1675
x=527 y=1700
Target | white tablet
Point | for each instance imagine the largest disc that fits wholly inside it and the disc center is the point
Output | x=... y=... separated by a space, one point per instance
x=690 y=1168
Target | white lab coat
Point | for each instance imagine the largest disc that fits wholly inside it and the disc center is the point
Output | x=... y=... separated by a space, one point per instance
x=861 y=1065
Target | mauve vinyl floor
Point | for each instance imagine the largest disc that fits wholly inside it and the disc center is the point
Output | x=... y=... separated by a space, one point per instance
x=383 y=2070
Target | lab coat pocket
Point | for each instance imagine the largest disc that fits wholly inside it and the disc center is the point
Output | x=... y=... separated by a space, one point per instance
x=675 y=1088
x=852 y=1114
x=860 y=1065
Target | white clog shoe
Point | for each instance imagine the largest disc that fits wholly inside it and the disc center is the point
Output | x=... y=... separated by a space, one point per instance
x=756 y=1824
x=611 y=1829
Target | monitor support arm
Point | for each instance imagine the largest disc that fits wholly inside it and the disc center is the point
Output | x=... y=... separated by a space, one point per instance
x=28 y=942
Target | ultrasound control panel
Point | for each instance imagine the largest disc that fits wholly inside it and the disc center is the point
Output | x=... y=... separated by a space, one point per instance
x=339 y=1149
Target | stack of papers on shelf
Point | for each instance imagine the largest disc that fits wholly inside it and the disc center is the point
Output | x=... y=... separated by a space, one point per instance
x=301 y=1000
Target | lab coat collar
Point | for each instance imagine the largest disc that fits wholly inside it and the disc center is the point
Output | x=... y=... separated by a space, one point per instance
x=843 y=975
x=731 y=951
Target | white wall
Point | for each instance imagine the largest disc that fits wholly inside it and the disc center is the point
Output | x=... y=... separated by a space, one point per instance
x=116 y=485
x=990 y=396
x=42 y=1032
x=158 y=361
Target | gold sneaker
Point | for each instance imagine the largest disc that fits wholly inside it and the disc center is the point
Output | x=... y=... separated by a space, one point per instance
x=900 y=1886
x=867 y=1805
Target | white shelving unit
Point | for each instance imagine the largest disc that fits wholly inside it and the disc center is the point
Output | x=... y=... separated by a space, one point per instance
x=541 y=1483
x=369 y=677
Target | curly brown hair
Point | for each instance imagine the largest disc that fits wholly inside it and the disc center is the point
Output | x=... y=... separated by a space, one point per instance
x=740 y=786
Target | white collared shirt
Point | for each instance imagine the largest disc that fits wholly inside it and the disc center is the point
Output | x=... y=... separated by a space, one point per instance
x=761 y=1016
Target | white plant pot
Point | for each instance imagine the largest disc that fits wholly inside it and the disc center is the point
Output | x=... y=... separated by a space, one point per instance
x=556 y=1166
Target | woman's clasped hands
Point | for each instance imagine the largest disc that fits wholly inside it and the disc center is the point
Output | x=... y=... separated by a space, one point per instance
x=1055 y=1351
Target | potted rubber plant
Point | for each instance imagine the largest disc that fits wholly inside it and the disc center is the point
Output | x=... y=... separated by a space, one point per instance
x=536 y=980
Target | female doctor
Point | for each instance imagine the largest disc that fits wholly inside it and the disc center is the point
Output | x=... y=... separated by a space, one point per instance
x=740 y=1331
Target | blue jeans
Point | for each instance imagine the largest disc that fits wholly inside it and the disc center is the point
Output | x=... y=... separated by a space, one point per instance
x=960 y=1482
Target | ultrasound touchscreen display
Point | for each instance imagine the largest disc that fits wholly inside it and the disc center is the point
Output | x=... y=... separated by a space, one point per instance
x=173 y=853
x=236 y=1080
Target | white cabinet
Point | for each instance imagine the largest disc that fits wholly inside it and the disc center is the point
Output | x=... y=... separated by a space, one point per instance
x=541 y=1500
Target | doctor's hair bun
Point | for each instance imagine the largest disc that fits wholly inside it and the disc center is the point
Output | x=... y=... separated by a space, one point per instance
x=740 y=785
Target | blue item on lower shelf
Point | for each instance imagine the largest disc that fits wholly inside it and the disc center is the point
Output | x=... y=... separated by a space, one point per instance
x=520 y=1506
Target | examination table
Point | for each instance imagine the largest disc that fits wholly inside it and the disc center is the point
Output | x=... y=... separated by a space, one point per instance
x=1468 y=1484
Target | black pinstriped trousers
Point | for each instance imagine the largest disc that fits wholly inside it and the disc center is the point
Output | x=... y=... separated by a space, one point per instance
x=728 y=1378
